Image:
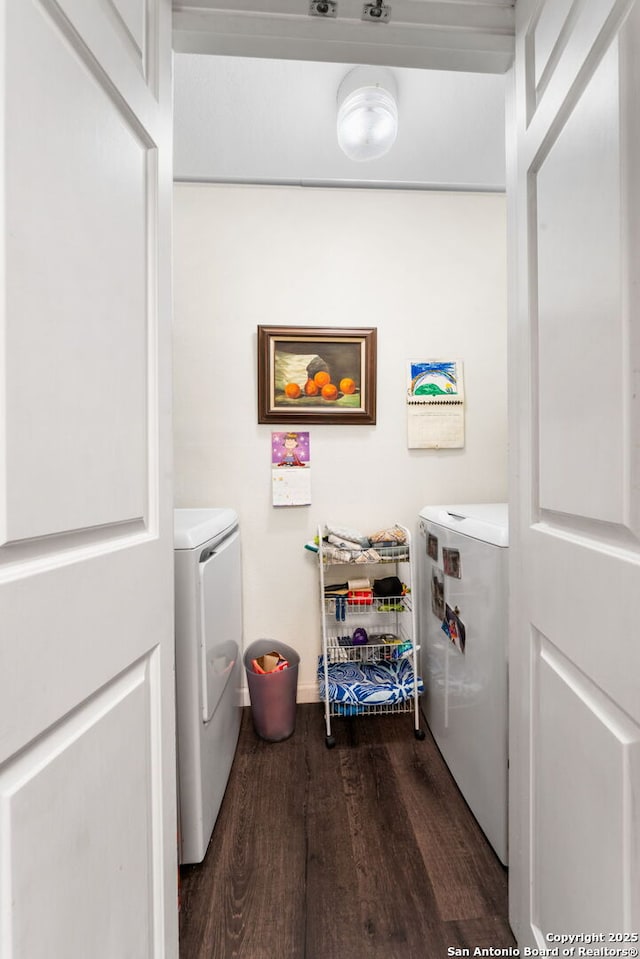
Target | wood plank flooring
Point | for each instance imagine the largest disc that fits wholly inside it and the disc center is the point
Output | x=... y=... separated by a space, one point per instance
x=365 y=851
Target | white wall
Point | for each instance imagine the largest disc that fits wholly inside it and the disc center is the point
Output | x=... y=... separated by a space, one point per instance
x=428 y=270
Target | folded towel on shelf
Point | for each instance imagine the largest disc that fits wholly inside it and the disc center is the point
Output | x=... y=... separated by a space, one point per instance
x=342 y=543
x=369 y=684
x=337 y=555
x=336 y=589
x=367 y=556
x=391 y=536
x=348 y=534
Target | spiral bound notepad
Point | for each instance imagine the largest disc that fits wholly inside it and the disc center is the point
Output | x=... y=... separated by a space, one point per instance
x=435 y=405
x=436 y=402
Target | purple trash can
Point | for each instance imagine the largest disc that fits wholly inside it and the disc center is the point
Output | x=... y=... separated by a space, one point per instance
x=273 y=695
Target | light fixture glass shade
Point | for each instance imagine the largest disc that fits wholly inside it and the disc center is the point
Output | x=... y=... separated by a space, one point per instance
x=367 y=122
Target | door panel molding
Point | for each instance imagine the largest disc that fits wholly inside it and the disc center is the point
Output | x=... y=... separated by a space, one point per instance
x=549 y=34
x=59 y=786
x=108 y=350
x=565 y=579
x=590 y=492
x=601 y=765
x=28 y=557
x=574 y=840
x=581 y=328
x=87 y=730
x=105 y=35
x=615 y=539
x=134 y=28
x=62 y=13
x=581 y=55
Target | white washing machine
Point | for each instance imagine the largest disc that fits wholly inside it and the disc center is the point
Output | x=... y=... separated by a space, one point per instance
x=208 y=631
x=463 y=586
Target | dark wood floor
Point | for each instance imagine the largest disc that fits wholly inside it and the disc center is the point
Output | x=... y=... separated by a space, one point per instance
x=366 y=851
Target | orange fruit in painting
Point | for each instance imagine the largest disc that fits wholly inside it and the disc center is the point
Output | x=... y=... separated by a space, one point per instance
x=292 y=390
x=311 y=388
x=321 y=378
x=347 y=385
x=329 y=391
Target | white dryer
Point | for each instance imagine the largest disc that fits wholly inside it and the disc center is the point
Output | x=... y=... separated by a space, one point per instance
x=208 y=629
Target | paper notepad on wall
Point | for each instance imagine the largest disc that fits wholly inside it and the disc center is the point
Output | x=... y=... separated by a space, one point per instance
x=290 y=469
x=435 y=405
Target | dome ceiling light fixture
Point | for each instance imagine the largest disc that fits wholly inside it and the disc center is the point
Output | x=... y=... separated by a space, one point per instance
x=367 y=123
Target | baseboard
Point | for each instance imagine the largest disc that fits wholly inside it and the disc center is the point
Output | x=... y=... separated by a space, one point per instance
x=307 y=693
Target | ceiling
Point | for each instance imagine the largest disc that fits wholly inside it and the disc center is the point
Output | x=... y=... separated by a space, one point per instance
x=256 y=84
x=467 y=35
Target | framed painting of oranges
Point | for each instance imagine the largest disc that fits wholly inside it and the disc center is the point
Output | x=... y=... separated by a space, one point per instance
x=315 y=374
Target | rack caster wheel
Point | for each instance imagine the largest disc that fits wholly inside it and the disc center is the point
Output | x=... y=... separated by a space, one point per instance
x=420 y=734
x=330 y=741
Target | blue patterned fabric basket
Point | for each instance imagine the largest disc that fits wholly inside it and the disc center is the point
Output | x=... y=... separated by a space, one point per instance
x=369 y=684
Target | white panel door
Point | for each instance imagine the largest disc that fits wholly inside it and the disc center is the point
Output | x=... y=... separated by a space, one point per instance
x=87 y=755
x=575 y=523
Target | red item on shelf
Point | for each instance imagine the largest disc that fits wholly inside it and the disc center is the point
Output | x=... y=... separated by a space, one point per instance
x=360 y=597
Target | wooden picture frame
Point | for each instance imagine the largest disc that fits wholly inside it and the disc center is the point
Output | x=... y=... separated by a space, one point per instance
x=317 y=374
